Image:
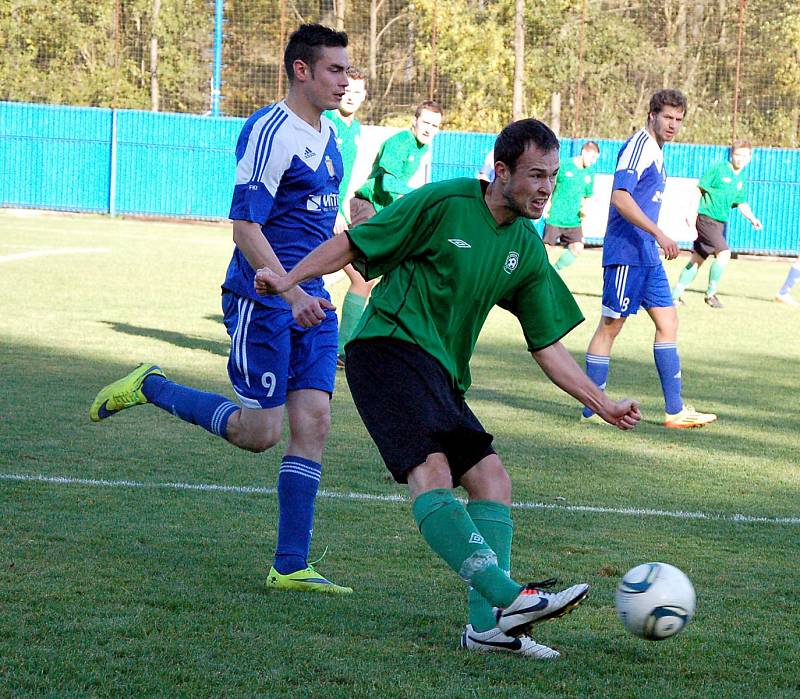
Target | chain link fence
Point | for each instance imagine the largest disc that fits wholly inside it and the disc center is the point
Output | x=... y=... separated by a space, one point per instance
x=587 y=67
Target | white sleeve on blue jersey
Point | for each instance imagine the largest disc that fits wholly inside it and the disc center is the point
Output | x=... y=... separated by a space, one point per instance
x=263 y=155
x=639 y=153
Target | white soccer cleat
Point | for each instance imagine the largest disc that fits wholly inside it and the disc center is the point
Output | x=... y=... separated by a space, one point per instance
x=788 y=299
x=534 y=604
x=688 y=417
x=494 y=640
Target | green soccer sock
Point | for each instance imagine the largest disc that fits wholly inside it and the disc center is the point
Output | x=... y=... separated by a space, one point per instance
x=687 y=277
x=566 y=259
x=493 y=520
x=451 y=533
x=352 y=310
x=714 y=275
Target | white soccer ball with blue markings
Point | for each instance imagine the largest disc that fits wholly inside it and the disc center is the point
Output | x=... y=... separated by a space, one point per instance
x=655 y=600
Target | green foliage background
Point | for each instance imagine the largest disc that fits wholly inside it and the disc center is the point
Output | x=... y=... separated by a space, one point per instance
x=97 y=53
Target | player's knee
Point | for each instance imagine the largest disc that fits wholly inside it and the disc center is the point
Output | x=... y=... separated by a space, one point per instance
x=255 y=441
x=312 y=427
x=724 y=255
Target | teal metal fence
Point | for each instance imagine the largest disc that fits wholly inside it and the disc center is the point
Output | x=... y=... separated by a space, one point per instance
x=175 y=165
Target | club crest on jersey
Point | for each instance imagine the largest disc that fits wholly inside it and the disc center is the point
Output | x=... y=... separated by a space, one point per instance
x=329 y=165
x=323 y=202
x=511 y=262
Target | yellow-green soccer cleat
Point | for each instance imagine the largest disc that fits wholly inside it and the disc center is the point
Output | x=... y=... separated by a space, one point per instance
x=124 y=393
x=688 y=417
x=306 y=579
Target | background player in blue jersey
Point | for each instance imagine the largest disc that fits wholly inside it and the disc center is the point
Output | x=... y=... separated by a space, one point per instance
x=633 y=275
x=283 y=348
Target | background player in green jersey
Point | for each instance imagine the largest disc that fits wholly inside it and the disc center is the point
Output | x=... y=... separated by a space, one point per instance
x=447 y=254
x=574 y=185
x=348 y=132
x=396 y=163
x=348 y=137
x=722 y=188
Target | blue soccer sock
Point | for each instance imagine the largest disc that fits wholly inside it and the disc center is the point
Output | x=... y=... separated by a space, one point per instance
x=209 y=410
x=298 y=482
x=791 y=279
x=597 y=366
x=668 y=364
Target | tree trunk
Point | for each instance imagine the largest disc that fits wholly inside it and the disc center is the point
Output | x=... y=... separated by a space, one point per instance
x=373 y=41
x=341 y=6
x=555 y=112
x=519 y=60
x=154 y=92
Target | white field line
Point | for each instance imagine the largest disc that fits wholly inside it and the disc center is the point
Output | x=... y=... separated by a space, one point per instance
x=51 y=251
x=260 y=490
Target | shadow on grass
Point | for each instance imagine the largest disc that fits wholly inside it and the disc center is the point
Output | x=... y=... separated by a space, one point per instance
x=174 y=338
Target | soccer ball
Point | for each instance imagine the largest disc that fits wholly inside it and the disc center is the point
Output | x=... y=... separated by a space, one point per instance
x=655 y=600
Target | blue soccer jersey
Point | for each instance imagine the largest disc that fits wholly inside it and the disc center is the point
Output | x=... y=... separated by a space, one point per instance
x=640 y=171
x=287 y=180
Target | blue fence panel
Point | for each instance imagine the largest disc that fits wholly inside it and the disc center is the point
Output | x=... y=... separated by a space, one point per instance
x=54 y=157
x=459 y=154
x=175 y=164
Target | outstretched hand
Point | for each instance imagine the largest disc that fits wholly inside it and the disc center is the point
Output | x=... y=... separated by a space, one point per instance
x=623 y=414
x=268 y=283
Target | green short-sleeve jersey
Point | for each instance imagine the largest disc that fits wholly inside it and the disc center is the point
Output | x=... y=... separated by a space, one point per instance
x=722 y=189
x=395 y=164
x=573 y=185
x=445 y=263
x=347 y=138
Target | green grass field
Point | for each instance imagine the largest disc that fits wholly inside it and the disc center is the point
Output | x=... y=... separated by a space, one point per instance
x=133 y=552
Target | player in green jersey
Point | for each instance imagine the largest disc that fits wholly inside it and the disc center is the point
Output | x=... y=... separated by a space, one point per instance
x=722 y=188
x=348 y=138
x=575 y=184
x=447 y=254
x=397 y=161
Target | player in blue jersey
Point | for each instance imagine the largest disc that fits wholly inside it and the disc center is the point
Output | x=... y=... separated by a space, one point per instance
x=633 y=275
x=283 y=348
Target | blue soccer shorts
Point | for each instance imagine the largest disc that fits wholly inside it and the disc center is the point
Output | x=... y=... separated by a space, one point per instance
x=628 y=287
x=271 y=355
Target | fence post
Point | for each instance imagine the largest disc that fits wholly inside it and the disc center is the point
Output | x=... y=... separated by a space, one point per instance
x=216 y=79
x=112 y=180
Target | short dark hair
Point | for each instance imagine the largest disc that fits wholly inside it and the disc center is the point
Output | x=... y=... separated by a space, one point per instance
x=356 y=74
x=668 y=98
x=305 y=44
x=518 y=135
x=590 y=145
x=429 y=105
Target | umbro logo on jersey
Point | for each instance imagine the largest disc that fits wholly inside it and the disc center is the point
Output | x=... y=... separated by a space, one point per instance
x=459 y=243
x=476 y=538
x=308 y=153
